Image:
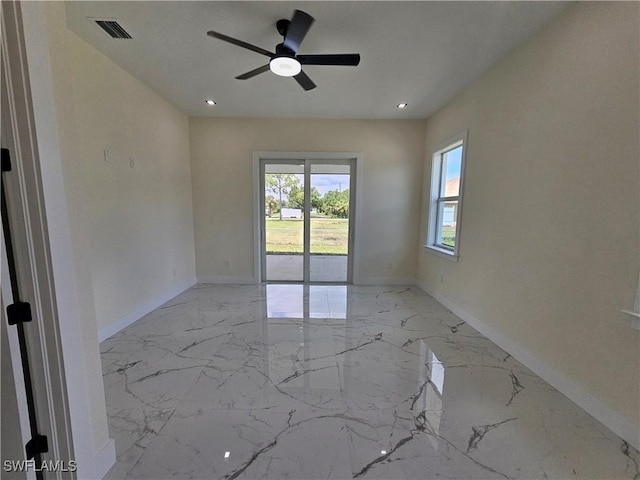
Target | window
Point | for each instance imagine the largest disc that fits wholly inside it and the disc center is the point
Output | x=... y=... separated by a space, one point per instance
x=443 y=234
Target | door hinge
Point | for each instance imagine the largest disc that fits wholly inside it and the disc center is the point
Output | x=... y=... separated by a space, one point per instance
x=37 y=445
x=6 y=160
x=18 y=312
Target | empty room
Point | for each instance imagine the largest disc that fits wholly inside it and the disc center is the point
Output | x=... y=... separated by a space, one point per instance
x=418 y=257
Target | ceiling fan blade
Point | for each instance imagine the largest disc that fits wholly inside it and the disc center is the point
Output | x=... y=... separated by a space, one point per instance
x=304 y=81
x=342 y=59
x=253 y=73
x=239 y=43
x=300 y=24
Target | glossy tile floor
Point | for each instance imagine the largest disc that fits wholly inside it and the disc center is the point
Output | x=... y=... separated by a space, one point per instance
x=286 y=381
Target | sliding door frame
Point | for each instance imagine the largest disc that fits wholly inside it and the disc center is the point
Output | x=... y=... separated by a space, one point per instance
x=354 y=159
x=350 y=162
x=261 y=252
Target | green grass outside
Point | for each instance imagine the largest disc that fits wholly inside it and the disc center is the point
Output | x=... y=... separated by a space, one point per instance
x=328 y=236
x=449 y=236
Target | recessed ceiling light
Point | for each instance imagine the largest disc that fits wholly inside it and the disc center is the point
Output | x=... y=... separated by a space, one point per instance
x=210 y=102
x=402 y=105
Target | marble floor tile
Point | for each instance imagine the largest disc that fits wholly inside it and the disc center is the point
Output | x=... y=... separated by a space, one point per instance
x=248 y=444
x=147 y=376
x=133 y=430
x=310 y=382
x=285 y=370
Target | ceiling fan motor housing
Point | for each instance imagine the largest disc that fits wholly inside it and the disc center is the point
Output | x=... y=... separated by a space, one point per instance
x=283 y=25
x=282 y=51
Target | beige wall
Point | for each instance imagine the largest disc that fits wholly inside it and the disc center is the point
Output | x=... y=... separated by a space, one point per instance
x=139 y=221
x=84 y=350
x=221 y=155
x=549 y=252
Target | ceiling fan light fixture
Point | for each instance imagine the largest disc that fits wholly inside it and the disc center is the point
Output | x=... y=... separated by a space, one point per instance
x=286 y=62
x=285 y=66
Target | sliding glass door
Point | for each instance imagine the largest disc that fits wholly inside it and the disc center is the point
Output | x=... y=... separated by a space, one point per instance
x=307 y=223
x=283 y=200
x=330 y=196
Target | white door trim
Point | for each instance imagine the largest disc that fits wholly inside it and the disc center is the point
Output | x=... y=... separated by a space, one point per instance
x=29 y=235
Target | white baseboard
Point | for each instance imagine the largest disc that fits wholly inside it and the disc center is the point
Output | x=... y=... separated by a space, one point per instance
x=138 y=313
x=104 y=460
x=618 y=423
x=385 y=281
x=228 y=279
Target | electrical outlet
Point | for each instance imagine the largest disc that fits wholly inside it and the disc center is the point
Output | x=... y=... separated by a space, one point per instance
x=441 y=278
x=132 y=162
x=227 y=263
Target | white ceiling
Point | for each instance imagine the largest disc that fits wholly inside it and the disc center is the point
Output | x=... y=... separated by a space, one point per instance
x=422 y=53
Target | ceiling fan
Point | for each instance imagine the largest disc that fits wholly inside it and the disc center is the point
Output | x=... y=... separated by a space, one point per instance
x=285 y=61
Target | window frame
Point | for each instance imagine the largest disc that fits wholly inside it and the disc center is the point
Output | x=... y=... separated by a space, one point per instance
x=435 y=200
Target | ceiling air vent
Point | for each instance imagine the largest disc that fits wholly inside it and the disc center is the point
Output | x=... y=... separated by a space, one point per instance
x=112 y=27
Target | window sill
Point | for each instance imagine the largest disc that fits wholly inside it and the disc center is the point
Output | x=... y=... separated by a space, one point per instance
x=441 y=252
